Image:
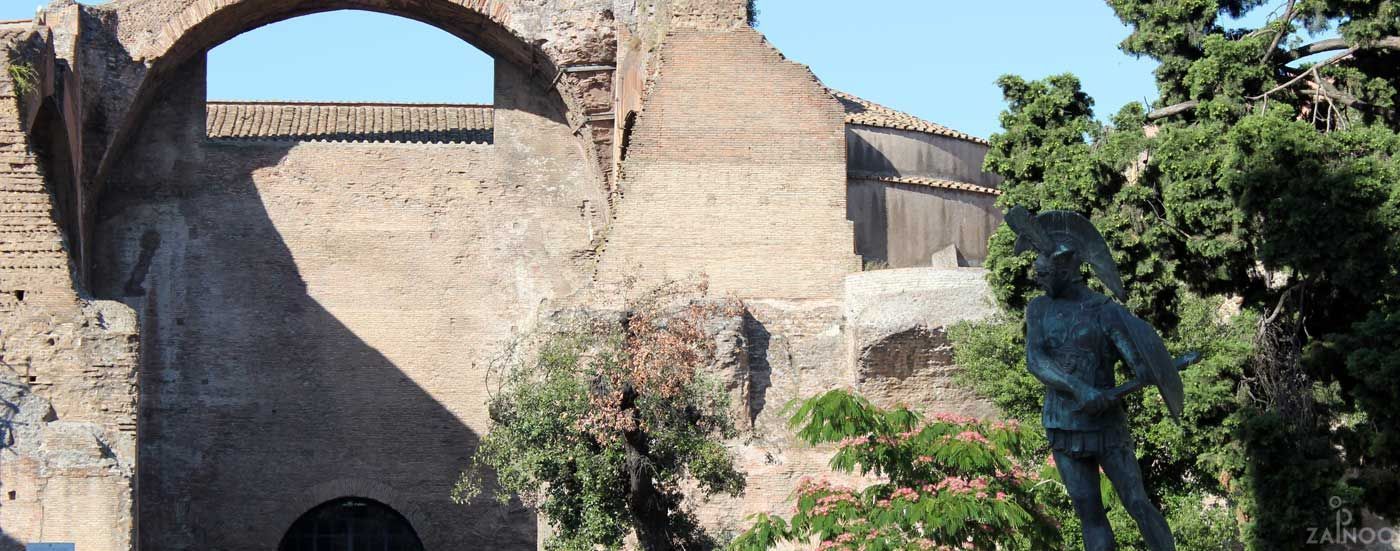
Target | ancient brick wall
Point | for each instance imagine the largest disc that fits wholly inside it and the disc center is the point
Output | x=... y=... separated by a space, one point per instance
x=67 y=366
x=736 y=169
x=315 y=318
x=68 y=385
x=318 y=316
x=131 y=47
x=33 y=258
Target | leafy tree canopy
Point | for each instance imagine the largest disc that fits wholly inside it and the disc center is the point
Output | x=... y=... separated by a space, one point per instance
x=944 y=483
x=599 y=422
x=1264 y=177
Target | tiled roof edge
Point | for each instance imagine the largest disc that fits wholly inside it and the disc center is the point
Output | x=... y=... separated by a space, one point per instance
x=929 y=182
x=347 y=122
x=314 y=139
x=868 y=113
x=347 y=103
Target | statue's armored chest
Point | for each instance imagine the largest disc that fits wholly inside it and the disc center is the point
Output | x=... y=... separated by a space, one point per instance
x=1073 y=337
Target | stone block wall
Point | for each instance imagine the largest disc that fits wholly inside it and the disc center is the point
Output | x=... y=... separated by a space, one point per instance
x=896 y=330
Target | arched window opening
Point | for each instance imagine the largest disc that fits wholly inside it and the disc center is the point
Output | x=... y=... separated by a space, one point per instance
x=351 y=524
x=350 y=76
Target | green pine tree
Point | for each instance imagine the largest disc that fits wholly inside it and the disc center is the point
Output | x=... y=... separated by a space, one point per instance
x=1265 y=175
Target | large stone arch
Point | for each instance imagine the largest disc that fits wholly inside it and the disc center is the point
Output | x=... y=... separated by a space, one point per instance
x=568 y=51
x=263 y=325
x=547 y=45
x=207 y=23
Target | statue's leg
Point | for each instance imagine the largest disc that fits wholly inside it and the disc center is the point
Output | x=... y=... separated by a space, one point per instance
x=1121 y=466
x=1081 y=478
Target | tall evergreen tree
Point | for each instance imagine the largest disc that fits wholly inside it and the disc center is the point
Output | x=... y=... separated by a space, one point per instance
x=1265 y=175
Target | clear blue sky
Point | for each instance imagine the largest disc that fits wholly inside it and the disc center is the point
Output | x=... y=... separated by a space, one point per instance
x=934 y=58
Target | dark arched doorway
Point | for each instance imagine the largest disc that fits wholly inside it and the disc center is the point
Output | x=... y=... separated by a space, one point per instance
x=351 y=524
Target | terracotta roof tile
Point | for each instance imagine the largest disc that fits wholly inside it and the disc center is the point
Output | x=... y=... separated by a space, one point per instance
x=351 y=122
x=868 y=113
x=930 y=182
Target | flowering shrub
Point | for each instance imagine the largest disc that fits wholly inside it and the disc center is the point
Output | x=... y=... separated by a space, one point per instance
x=950 y=482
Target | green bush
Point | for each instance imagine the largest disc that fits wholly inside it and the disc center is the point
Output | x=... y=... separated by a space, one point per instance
x=26 y=79
x=940 y=483
x=597 y=425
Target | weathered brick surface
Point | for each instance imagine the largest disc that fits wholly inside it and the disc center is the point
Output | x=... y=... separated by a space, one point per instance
x=134 y=46
x=69 y=473
x=315 y=318
x=67 y=367
x=33 y=258
x=318 y=316
x=735 y=169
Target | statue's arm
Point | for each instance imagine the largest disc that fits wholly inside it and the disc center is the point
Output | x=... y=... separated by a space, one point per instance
x=1039 y=363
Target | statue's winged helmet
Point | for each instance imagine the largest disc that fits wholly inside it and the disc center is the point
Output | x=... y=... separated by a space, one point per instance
x=1057 y=233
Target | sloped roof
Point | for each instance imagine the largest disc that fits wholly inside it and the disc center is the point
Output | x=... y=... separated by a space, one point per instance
x=351 y=122
x=868 y=113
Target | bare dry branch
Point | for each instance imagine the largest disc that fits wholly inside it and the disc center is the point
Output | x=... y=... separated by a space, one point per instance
x=1172 y=110
x=1287 y=21
x=1312 y=71
x=1334 y=44
x=1331 y=44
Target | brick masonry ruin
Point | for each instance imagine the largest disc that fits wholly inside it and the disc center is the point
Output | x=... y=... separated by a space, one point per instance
x=218 y=315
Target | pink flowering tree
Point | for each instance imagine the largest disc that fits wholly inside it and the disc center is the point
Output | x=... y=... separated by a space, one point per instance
x=950 y=482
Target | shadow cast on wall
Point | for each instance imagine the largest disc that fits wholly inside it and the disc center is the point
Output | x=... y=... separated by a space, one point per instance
x=760 y=370
x=900 y=224
x=867 y=206
x=258 y=402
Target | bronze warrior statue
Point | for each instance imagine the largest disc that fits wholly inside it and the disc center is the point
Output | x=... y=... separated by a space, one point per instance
x=1074 y=339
